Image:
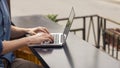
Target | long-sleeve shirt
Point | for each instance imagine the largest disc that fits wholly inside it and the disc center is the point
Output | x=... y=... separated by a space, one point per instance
x=5 y=24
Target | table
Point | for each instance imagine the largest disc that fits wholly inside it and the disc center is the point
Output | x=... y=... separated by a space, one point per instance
x=76 y=53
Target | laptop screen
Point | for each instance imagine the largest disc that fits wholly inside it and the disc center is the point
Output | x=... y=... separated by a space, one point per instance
x=69 y=22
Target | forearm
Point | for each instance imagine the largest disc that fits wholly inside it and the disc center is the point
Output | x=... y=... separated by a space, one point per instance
x=12 y=45
x=9 y=46
x=17 y=32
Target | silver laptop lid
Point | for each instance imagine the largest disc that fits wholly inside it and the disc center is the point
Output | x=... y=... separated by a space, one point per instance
x=69 y=22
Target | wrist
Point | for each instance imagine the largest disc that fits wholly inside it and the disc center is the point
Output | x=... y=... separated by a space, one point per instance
x=29 y=40
x=26 y=41
x=25 y=30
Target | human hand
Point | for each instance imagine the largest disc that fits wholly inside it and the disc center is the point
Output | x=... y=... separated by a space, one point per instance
x=39 y=38
x=33 y=31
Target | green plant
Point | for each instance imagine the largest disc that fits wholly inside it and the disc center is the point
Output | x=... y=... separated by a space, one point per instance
x=52 y=17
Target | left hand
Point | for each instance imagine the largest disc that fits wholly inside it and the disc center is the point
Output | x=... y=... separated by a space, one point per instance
x=33 y=31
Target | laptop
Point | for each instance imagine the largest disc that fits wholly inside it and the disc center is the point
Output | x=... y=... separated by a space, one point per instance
x=59 y=38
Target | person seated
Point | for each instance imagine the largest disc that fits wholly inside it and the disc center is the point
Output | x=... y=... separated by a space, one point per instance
x=7 y=46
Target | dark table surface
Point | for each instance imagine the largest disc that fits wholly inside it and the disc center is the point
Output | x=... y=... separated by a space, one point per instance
x=76 y=53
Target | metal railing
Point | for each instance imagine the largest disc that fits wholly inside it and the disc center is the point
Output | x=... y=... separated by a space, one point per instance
x=99 y=26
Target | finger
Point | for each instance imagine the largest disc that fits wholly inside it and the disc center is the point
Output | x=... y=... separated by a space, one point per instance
x=31 y=33
x=51 y=39
x=44 y=29
x=48 y=40
x=44 y=35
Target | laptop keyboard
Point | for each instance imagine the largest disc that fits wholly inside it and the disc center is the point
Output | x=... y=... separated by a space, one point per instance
x=56 y=38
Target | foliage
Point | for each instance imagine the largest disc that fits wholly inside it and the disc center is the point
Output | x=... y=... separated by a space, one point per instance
x=52 y=17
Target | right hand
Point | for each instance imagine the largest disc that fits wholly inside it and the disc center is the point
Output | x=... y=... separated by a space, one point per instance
x=40 y=38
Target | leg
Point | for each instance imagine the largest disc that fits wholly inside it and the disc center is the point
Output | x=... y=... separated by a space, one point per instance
x=21 y=63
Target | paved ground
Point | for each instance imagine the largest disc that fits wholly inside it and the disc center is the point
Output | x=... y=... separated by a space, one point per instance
x=106 y=8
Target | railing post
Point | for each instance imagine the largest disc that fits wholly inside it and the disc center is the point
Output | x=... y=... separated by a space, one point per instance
x=113 y=43
x=109 y=44
x=104 y=35
x=98 y=20
x=84 y=28
x=118 y=43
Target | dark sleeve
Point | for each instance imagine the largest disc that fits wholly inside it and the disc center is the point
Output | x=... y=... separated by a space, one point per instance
x=1 y=47
x=12 y=23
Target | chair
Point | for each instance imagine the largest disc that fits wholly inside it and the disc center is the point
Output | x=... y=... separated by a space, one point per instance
x=26 y=54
